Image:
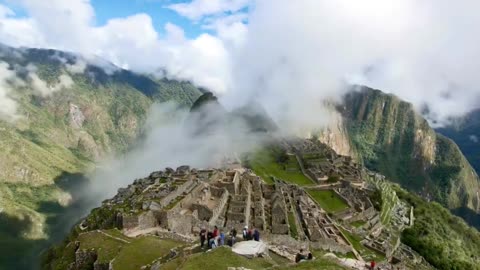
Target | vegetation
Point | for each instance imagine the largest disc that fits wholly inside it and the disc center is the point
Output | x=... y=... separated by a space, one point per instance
x=219 y=258
x=365 y=252
x=107 y=247
x=264 y=163
x=443 y=239
x=293 y=225
x=328 y=200
x=143 y=251
x=44 y=146
x=358 y=223
x=389 y=137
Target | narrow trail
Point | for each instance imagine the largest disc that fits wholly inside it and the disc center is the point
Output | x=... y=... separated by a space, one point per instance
x=114 y=237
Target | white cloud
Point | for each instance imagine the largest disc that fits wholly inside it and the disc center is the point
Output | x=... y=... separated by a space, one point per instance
x=197 y=9
x=473 y=138
x=8 y=106
x=43 y=88
x=291 y=55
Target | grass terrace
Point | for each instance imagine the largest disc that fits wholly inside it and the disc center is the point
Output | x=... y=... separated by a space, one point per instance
x=328 y=200
x=143 y=251
x=293 y=225
x=366 y=253
x=219 y=258
x=265 y=164
x=107 y=247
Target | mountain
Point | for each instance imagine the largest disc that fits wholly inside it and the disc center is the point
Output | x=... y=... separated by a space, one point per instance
x=208 y=113
x=70 y=113
x=465 y=131
x=388 y=136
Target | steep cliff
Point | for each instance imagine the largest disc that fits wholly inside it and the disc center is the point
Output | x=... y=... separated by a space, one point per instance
x=390 y=137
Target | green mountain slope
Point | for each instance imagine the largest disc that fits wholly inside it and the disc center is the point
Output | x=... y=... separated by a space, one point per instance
x=465 y=132
x=391 y=138
x=101 y=111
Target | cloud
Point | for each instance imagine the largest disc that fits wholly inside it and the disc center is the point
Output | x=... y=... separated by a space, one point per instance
x=473 y=138
x=172 y=140
x=290 y=55
x=198 y=9
x=8 y=106
x=43 y=88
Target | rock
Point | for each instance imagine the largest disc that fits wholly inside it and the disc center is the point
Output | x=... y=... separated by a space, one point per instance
x=76 y=116
x=183 y=169
x=156 y=174
x=155 y=206
x=146 y=205
x=250 y=249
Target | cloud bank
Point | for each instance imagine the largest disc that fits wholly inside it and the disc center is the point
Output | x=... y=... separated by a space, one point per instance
x=290 y=56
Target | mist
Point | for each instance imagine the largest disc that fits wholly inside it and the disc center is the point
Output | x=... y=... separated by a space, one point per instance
x=173 y=137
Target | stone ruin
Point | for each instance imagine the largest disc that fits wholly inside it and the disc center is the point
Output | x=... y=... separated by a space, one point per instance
x=184 y=200
x=321 y=163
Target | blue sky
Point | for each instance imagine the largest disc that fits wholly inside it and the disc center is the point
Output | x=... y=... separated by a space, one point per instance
x=156 y=9
x=107 y=9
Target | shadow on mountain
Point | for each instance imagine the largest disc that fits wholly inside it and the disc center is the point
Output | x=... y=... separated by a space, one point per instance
x=17 y=252
x=470 y=216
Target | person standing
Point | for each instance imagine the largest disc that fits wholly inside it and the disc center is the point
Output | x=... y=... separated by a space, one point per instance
x=233 y=236
x=209 y=239
x=256 y=235
x=221 y=241
x=215 y=232
x=245 y=233
x=203 y=236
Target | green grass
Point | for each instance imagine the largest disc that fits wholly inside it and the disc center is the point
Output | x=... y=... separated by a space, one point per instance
x=328 y=200
x=219 y=258
x=318 y=263
x=358 y=223
x=293 y=225
x=143 y=251
x=279 y=260
x=366 y=253
x=264 y=164
x=107 y=247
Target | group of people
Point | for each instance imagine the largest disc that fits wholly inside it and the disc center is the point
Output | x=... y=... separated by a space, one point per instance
x=217 y=237
x=302 y=257
x=251 y=234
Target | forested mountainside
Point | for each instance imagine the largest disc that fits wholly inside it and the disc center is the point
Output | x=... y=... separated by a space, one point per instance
x=465 y=131
x=70 y=112
x=388 y=136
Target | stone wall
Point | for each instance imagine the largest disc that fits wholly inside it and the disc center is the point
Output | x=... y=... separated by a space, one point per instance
x=219 y=208
x=331 y=245
x=129 y=222
x=203 y=212
x=147 y=220
x=181 y=224
x=179 y=191
x=280 y=228
x=84 y=259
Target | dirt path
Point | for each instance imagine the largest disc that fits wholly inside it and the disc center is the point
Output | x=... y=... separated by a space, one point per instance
x=114 y=237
